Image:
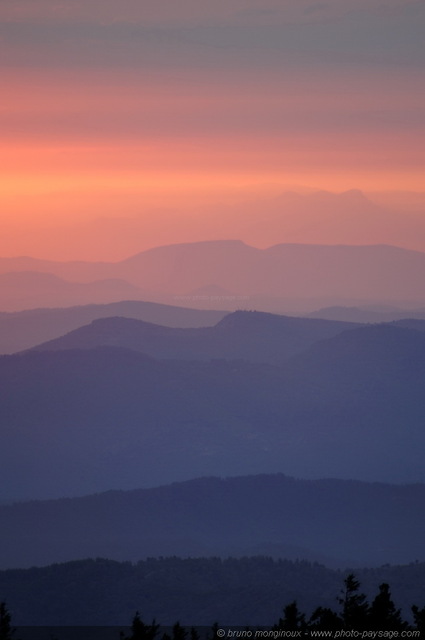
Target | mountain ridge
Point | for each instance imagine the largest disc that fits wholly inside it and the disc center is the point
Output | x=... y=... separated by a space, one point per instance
x=340 y=521
x=250 y=335
x=237 y=592
x=329 y=273
x=21 y=330
x=90 y=418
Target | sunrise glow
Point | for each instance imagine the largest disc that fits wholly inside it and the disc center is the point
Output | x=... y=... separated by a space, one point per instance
x=111 y=115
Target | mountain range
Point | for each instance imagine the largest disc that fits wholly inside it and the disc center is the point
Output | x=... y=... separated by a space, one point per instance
x=310 y=216
x=338 y=523
x=81 y=420
x=291 y=277
x=24 y=329
x=246 y=335
x=29 y=328
x=135 y=429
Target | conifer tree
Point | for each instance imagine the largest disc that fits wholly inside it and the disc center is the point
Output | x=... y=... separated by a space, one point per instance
x=6 y=631
x=383 y=614
x=419 y=618
x=354 y=605
x=142 y=631
x=179 y=633
x=292 y=620
x=324 y=618
x=194 y=635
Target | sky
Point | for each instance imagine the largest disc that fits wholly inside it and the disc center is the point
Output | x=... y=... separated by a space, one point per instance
x=126 y=109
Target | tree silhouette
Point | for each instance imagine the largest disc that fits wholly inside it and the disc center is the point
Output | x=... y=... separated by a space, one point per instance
x=179 y=633
x=419 y=618
x=383 y=614
x=140 y=630
x=214 y=630
x=354 y=605
x=356 y=615
x=324 y=618
x=292 y=619
x=6 y=631
x=194 y=635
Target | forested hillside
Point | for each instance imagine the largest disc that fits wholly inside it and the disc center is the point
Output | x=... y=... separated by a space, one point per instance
x=78 y=421
x=197 y=591
x=335 y=522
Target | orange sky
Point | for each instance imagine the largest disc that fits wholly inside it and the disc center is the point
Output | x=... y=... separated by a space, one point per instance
x=104 y=115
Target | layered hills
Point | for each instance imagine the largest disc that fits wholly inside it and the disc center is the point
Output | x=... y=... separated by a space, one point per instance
x=296 y=277
x=24 y=329
x=253 y=336
x=80 y=420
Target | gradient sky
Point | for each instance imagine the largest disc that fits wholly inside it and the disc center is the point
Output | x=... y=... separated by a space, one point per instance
x=115 y=107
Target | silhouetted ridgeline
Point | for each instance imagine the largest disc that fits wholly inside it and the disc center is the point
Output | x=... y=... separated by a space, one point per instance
x=24 y=329
x=78 y=421
x=338 y=523
x=252 y=336
x=194 y=591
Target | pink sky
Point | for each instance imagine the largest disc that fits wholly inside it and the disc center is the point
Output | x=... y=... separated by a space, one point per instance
x=118 y=108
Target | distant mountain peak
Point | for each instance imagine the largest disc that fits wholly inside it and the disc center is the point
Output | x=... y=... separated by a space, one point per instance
x=352 y=193
x=201 y=244
x=247 y=318
x=356 y=197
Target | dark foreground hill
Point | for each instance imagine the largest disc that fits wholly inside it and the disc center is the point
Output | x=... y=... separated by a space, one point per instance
x=80 y=421
x=245 y=591
x=246 y=335
x=332 y=521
